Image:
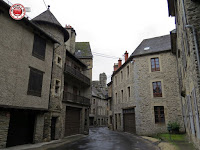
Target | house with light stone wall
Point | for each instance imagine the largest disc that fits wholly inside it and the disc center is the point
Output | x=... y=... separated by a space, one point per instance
x=145 y=89
x=185 y=42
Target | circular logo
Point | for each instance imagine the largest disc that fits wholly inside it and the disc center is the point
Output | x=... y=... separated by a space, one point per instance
x=17 y=11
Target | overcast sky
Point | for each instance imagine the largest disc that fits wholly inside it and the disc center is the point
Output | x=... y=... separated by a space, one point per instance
x=111 y=26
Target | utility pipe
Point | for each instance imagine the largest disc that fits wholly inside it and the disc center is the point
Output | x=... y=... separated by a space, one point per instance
x=194 y=34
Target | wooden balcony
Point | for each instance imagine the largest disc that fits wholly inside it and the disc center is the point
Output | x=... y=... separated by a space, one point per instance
x=69 y=97
x=77 y=75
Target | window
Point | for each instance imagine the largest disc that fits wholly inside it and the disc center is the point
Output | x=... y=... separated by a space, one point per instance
x=59 y=61
x=115 y=80
x=122 y=94
x=57 y=87
x=129 y=92
x=159 y=114
x=127 y=71
x=93 y=111
x=39 y=47
x=157 y=89
x=35 y=82
x=121 y=75
x=155 y=64
x=93 y=101
x=116 y=98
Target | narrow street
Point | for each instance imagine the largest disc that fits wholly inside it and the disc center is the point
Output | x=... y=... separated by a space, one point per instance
x=104 y=139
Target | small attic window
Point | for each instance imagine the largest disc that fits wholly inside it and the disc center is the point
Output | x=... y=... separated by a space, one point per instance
x=146 y=48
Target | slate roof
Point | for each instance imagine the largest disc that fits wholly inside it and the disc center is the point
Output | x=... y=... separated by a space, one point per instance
x=153 y=45
x=48 y=17
x=83 y=50
x=156 y=45
x=97 y=91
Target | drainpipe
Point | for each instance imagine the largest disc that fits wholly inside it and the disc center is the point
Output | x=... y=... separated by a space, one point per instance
x=194 y=35
x=195 y=43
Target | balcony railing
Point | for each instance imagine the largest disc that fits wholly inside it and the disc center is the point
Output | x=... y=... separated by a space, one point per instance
x=77 y=74
x=69 y=97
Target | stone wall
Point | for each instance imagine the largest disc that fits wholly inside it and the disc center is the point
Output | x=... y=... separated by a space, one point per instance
x=141 y=93
x=16 y=59
x=39 y=128
x=4 y=125
x=187 y=65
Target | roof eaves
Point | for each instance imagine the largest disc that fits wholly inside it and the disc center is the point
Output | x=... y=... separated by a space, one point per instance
x=76 y=59
x=171 y=7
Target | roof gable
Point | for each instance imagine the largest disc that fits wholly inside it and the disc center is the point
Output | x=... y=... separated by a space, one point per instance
x=153 y=45
x=48 y=17
x=83 y=50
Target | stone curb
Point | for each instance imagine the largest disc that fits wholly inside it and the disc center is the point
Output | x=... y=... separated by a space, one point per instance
x=48 y=145
x=160 y=144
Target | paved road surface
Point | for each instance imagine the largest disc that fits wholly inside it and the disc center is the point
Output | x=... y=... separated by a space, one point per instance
x=104 y=139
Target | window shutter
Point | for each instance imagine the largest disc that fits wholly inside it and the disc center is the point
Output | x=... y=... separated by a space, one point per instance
x=35 y=82
x=183 y=54
x=39 y=47
x=196 y=113
x=190 y=114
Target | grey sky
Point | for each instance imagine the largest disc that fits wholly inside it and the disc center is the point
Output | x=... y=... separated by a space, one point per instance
x=111 y=26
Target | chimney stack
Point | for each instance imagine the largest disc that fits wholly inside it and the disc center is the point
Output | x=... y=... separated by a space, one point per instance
x=115 y=66
x=126 y=56
x=119 y=63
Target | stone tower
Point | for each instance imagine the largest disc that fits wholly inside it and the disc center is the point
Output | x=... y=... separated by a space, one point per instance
x=103 y=80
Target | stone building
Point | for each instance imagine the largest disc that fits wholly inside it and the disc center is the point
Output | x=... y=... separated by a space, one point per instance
x=26 y=55
x=145 y=89
x=70 y=87
x=99 y=102
x=186 y=45
x=110 y=105
x=83 y=52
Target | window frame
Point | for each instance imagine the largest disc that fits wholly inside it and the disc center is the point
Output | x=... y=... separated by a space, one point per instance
x=30 y=90
x=155 y=65
x=128 y=71
x=159 y=117
x=41 y=46
x=159 y=86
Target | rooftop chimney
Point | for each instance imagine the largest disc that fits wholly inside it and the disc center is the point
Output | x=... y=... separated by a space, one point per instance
x=119 y=63
x=126 y=56
x=68 y=26
x=115 y=66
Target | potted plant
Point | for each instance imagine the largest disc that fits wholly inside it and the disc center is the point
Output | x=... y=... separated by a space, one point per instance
x=173 y=127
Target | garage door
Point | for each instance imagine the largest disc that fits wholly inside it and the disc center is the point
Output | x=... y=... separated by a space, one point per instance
x=21 y=128
x=129 y=120
x=72 y=121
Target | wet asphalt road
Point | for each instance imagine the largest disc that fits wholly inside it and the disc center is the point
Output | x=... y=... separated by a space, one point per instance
x=104 y=139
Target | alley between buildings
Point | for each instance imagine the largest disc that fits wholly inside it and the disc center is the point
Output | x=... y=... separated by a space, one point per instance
x=104 y=139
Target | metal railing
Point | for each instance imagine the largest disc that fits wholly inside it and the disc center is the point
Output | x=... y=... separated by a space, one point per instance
x=77 y=74
x=69 y=97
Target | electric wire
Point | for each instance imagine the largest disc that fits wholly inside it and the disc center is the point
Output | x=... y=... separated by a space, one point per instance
x=45 y=4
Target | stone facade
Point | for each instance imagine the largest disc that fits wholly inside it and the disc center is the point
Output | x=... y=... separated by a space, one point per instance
x=99 y=102
x=132 y=86
x=4 y=125
x=17 y=60
x=68 y=87
x=186 y=43
x=110 y=105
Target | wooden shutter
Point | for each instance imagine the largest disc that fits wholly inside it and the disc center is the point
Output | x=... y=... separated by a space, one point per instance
x=196 y=113
x=190 y=114
x=35 y=82
x=39 y=47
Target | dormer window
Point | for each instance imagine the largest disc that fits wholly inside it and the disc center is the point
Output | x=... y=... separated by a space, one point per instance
x=147 y=48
